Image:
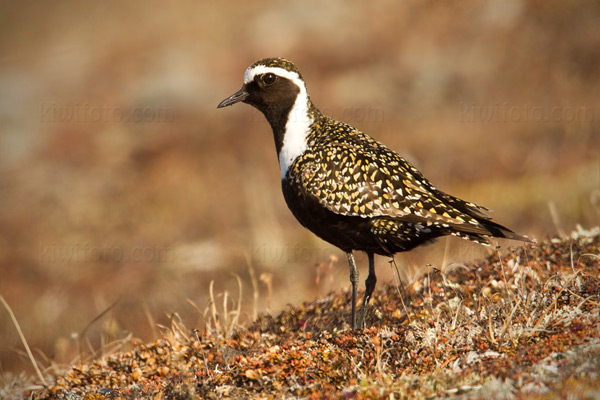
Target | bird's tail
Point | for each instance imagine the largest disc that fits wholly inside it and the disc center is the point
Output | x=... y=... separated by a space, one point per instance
x=499 y=231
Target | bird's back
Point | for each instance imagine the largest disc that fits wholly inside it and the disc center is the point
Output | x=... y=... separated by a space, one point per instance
x=357 y=194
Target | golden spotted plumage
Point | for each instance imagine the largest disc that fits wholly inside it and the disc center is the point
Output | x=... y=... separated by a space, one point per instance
x=347 y=188
x=351 y=174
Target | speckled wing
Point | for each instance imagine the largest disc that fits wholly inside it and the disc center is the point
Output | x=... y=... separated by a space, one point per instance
x=369 y=181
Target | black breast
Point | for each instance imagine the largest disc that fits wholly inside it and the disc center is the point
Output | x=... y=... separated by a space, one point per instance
x=350 y=232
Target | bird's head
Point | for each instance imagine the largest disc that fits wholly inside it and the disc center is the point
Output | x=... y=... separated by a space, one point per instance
x=272 y=85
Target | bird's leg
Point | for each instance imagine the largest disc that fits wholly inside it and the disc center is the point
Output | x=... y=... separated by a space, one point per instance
x=354 y=281
x=369 y=287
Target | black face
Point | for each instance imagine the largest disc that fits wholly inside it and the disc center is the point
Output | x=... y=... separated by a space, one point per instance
x=271 y=94
x=267 y=92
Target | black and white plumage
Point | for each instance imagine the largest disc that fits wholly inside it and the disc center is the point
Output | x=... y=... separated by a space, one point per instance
x=347 y=188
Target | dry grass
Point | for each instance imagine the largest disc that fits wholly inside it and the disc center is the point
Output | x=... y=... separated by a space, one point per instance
x=137 y=218
x=521 y=324
x=24 y=341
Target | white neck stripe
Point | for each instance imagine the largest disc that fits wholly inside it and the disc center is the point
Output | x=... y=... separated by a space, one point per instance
x=298 y=124
x=297 y=129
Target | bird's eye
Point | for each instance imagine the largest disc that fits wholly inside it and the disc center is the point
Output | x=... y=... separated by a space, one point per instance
x=269 y=78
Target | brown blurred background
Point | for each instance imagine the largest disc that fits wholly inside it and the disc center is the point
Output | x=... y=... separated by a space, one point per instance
x=121 y=182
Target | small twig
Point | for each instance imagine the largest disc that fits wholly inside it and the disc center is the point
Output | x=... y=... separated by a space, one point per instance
x=588 y=255
x=238 y=311
x=82 y=334
x=176 y=325
x=489 y=318
x=267 y=279
x=586 y=300
x=455 y=319
x=400 y=287
x=254 y=287
x=225 y=313
x=213 y=307
x=111 y=347
x=503 y=273
x=507 y=322
x=572 y=262
x=555 y=218
x=564 y=289
x=23 y=340
x=445 y=258
x=193 y=304
x=150 y=319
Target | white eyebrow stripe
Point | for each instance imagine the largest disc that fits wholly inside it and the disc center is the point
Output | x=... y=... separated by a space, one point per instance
x=263 y=69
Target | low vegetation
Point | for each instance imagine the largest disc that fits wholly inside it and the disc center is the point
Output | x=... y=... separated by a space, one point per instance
x=521 y=324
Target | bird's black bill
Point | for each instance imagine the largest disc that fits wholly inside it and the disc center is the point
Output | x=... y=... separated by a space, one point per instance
x=238 y=96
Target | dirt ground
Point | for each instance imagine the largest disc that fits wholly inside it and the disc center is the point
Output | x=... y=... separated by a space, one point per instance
x=129 y=203
x=520 y=325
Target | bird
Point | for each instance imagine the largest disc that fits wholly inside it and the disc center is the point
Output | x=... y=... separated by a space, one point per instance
x=349 y=189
